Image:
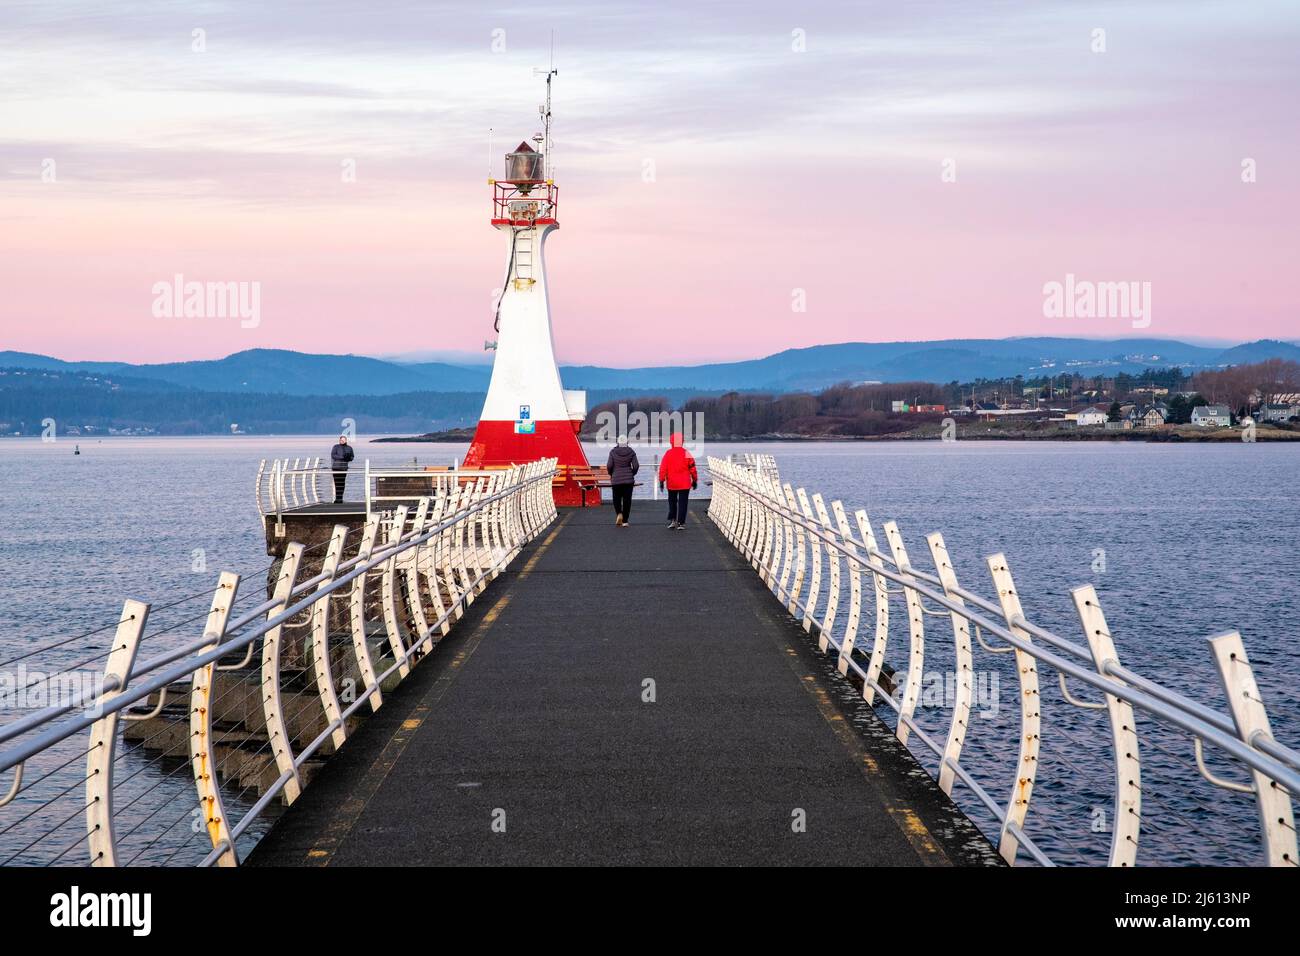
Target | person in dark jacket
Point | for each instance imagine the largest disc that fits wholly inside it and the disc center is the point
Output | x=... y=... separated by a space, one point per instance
x=340 y=455
x=677 y=472
x=622 y=467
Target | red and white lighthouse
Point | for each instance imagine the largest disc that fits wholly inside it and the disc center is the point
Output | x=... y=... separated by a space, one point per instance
x=528 y=415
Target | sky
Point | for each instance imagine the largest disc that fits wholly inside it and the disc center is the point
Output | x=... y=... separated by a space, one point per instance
x=736 y=177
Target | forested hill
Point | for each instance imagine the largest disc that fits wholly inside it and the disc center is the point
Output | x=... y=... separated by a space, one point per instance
x=276 y=371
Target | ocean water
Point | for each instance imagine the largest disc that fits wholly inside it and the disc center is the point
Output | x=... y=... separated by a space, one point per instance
x=1181 y=542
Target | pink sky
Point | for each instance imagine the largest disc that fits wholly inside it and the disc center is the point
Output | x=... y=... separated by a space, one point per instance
x=775 y=169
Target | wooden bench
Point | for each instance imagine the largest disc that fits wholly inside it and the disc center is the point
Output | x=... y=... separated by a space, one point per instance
x=586 y=477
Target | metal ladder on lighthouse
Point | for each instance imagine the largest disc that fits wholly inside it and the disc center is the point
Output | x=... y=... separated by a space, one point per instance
x=524 y=259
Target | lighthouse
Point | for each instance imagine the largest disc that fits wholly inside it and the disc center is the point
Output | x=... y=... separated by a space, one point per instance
x=528 y=415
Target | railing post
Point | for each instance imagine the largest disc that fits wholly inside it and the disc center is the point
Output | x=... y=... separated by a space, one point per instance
x=720 y=503
x=483 y=528
x=469 y=542
x=800 y=546
x=1251 y=719
x=320 y=638
x=103 y=736
x=277 y=497
x=771 y=533
x=815 y=547
x=833 y=595
x=783 y=494
x=477 y=531
x=1022 y=789
x=455 y=591
x=758 y=545
x=429 y=553
x=916 y=629
x=855 y=588
x=963 y=660
x=881 y=586
x=1127 y=811
x=410 y=562
x=534 y=511
x=516 y=533
x=488 y=524
x=276 y=726
x=544 y=498
x=502 y=538
x=781 y=550
x=203 y=753
x=715 y=498
x=742 y=518
x=257 y=485
x=388 y=589
x=751 y=527
x=735 y=505
x=357 y=609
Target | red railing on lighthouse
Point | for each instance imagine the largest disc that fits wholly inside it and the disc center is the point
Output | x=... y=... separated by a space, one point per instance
x=525 y=202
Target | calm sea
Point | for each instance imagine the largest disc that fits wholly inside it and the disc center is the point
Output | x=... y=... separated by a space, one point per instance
x=1181 y=541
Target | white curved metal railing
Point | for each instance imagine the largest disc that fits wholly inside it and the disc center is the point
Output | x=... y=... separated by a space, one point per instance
x=785 y=535
x=284 y=484
x=431 y=561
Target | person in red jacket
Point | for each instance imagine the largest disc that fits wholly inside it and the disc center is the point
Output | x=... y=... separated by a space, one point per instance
x=677 y=472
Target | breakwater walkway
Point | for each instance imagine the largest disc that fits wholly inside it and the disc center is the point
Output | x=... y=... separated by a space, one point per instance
x=624 y=696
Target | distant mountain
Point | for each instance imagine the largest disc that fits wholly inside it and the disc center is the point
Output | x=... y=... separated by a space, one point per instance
x=98 y=403
x=276 y=371
x=941 y=361
x=1259 y=351
x=282 y=372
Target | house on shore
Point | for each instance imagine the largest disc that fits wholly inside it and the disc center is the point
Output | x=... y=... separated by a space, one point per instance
x=1278 y=412
x=1211 y=416
x=1148 y=416
x=1088 y=417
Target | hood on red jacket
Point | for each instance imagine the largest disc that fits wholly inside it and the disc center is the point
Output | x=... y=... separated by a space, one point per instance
x=677 y=467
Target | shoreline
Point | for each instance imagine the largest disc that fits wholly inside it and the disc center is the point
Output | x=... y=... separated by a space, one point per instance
x=1198 y=437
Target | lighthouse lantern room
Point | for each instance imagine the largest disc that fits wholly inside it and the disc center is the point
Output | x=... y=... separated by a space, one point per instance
x=528 y=415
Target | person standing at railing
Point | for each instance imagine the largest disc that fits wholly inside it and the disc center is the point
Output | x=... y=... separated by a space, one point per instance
x=340 y=455
x=677 y=472
x=622 y=467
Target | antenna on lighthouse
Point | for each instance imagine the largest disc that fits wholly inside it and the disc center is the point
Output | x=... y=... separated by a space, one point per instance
x=545 y=112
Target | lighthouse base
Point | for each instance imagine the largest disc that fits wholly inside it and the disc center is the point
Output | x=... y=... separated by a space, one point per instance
x=499 y=444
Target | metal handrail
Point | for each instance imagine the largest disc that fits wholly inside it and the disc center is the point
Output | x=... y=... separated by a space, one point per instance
x=479 y=528
x=760 y=518
x=141 y=691
x=1150 y=693
x=285 y=486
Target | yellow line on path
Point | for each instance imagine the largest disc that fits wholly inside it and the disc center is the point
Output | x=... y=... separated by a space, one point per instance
x=905 y=818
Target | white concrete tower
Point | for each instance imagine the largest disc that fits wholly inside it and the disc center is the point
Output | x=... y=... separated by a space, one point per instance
x=528 y=415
